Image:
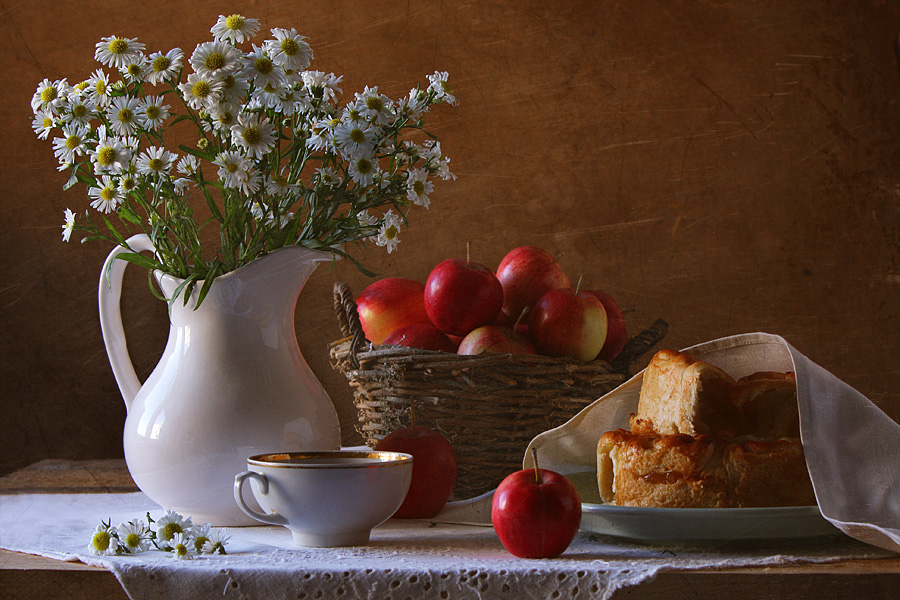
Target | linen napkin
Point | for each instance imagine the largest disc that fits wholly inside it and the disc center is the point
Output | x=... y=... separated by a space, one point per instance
x=852 y=448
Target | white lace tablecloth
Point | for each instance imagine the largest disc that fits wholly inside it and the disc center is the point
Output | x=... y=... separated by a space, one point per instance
x=405 y=558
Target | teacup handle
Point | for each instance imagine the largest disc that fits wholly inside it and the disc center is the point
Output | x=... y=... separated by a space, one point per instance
x=274 y=519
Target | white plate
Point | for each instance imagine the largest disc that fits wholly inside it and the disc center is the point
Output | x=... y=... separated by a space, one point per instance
x=696 y=524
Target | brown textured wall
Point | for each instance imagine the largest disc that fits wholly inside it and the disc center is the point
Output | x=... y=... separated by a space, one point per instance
x=731 y=166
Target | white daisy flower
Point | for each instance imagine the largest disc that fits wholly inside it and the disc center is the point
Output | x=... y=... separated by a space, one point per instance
x=180 y=546
x=255 y=134
x=124 y=115
x=154 y=112
x=98 y=88
x=215 y=542
x=222 y=119
x=366 y=219
x=234 y=168
x=289 y=49
x=117 y=52
x=291 y=102
x=171 y=524
x=321 y=135
x=134 y=536
x=71 y=144
x=374 y=107
x=234 y=28
x=49 y=96
x=443 y=92
x=106 y=199
x=388 y=235
x=155 y=160
x=266 y=216
x=354 y=138
x=322 y=85
x=442 y=169
x=261 y=69
x=127 y=181
x=418 y=187
x=251 y=182
x=132 y=143
x=201 y=91
x=215 y=59
x=278 y=185
x=268 y=96
x=188 y=165
x=68 y=225
x=234 y=88
x=79 y=109
x=42 y=124
x=413 y=106
x=164 y=67
x=137 y=69
x=102 y=543
x=363 y=169
x=181 y=185
x=110 y=154
x=326 y=176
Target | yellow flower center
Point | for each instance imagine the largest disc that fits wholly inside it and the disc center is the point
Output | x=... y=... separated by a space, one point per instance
x=264 y=65
x=161 y=63
x=132 y=540
x=391 y=232
x=357 y=135
x=125 y=115
x=79 y=111
x=214 y=61
x=354 y=114
x=231 y=168
x=48 y=122
x=228 y=82
x=72 y=142
x=270 y=88
x=226 y=118
x=49 y=94
x=252 y=136
x=152 y=112
x=134 y=70
x=374 y=103
x=419 y=187
x=198 y=543
x=107 y=193
x=155 y=164
x=181 y=550
x=280 y=180
x=290 y=46
x=100 y=87
x=234 y=22
x=127 y=183
x=170 y=530
x=82 y=86
x=201 y=89
x=100 y=541
x=118 y=46
x=364 y=166
x=106 y=155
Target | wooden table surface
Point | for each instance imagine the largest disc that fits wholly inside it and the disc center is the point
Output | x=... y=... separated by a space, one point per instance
x=24 y=576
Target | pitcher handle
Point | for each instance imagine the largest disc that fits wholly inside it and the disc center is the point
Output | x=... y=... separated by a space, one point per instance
x=111 y=316
x=274 y=519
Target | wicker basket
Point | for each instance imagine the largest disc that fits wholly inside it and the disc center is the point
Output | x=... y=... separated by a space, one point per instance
x=488 y=406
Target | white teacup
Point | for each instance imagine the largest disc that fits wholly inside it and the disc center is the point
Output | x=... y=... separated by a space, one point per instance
x=326 y=499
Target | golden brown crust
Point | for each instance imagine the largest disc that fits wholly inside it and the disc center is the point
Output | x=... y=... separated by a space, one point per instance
x=705 y=471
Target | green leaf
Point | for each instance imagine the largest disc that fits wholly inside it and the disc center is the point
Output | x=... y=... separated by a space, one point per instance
x=138 y=259
x=196 y=152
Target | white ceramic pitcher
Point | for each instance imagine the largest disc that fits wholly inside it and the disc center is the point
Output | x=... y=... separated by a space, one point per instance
x=231 y=383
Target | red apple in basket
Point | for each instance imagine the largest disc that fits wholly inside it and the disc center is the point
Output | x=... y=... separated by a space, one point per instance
x=536 y=513
x=616 y=333
x=568 y=323
x=420 y=335
x=388 y=304
x=461 y=295
x=527 y=273
x=493 y=339
x=434 y=470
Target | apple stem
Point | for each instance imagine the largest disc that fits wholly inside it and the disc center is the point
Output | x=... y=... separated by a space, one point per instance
x=521 y=316
x=578 y=285
x=468 y=250
x=537 y=477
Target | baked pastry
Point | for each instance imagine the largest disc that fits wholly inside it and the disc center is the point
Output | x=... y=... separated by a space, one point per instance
x=705 y=471
x=701 y=439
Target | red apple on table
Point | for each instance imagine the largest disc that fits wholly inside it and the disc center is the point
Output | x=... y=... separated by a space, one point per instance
x=434 y=470
x=527 y=273
x=568 y=323
x=616 y=333
x=388 y=304
x=493 y=339
x=461 y=295
x=536 y=513
x=420 y=335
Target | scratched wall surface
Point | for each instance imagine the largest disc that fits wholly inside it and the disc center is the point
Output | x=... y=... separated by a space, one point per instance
x=730 y=166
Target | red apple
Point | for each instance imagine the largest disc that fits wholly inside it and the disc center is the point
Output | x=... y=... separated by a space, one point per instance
x=536 y=513
x=616 y=333
x=526 y=274
x=566 y=323
x=493 y=339
x=434 y=470
x=461 y=295
x=420 y=335
x=388 y=304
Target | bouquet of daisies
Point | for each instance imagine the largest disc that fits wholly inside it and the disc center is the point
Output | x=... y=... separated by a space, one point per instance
x=265 y=154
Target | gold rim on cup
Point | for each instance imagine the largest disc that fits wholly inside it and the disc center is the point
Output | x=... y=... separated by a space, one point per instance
x=291 y=460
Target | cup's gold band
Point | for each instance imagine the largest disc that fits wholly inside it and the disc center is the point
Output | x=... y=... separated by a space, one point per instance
x=307 y=460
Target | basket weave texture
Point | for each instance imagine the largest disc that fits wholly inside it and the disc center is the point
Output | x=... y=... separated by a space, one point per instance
x=488 y=406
